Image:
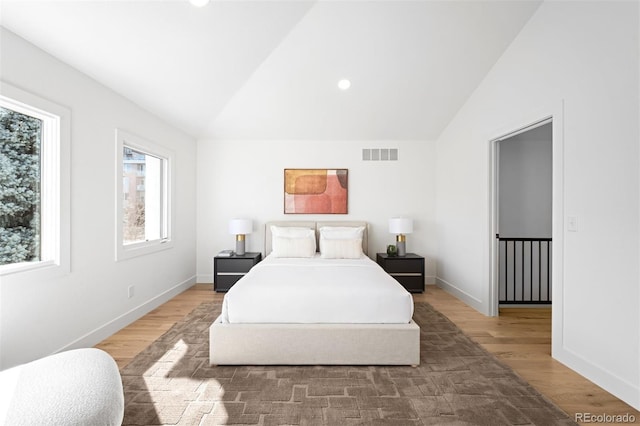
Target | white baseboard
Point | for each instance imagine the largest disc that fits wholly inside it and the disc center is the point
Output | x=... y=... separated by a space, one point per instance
x=617 y=386
x=99 y=334
x=462 y=295
x=430 y=280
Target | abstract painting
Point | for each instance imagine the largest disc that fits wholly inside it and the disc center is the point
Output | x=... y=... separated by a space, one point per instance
x=315 y=191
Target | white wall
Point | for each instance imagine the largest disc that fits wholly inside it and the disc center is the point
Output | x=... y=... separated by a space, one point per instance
x=525 y=184
x=246 y=179
x=577 y=61
x=40 y=314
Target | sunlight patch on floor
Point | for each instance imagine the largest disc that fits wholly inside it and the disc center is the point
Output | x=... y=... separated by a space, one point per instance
x=168 y=397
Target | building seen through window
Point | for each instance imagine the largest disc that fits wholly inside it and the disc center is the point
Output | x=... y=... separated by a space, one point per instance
x=142 y=196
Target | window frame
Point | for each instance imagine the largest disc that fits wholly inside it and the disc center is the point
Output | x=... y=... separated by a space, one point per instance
x=127 y=251
x=55 y=179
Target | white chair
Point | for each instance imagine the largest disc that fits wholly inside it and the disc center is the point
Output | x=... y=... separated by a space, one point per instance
x=77 y=387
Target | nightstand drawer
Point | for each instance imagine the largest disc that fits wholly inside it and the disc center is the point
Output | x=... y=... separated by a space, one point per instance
x=234 y=265
x=404 y=265
x=413 y=283
x=225 y=282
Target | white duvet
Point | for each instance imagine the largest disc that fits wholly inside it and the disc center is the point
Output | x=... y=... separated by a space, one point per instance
x=316 y=290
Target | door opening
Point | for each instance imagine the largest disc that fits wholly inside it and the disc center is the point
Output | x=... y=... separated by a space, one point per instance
x=522 y=218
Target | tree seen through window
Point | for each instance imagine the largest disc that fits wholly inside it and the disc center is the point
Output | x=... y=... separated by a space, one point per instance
x=20 y=176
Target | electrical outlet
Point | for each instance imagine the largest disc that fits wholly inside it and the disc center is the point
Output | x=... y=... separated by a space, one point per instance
x=130 y=292
x=572 y=223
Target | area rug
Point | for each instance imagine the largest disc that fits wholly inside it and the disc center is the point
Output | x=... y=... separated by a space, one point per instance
x=457 y=383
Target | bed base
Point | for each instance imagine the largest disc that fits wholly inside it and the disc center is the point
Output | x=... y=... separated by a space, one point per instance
x=314 y=344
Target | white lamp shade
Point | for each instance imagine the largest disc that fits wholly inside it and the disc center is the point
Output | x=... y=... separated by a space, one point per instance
x=240 y=226
x=400 y=225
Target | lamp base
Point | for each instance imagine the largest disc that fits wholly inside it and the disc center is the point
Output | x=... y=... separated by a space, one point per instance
x=402 y=248
x=240 y=247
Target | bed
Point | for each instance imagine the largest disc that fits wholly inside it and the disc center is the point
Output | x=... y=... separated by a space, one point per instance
x=314 y=310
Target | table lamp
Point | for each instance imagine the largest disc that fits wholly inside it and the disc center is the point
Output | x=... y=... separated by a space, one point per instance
x=401 y=226
x=240 y=227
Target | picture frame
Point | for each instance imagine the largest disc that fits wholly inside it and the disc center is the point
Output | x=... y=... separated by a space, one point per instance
x=316 y=191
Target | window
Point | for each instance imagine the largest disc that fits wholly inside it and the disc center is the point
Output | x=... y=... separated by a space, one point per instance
x=142 y=197
x=20 y=183
x=34 y=182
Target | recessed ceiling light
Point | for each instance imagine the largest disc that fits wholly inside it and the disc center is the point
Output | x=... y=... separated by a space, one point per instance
x=344 y=84
x=199 y=3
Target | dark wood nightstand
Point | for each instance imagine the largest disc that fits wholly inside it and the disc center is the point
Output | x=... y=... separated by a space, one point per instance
x=407 y=270
x=229 y=269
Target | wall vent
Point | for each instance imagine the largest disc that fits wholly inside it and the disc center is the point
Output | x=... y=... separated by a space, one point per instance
x=380 y=154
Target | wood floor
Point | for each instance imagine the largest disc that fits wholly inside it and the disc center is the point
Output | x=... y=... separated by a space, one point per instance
x=521 y=338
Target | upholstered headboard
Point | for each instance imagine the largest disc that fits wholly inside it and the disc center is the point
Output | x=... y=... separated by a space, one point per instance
x=316 y=226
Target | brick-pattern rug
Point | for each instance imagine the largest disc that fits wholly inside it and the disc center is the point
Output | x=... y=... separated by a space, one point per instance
x=457 y=383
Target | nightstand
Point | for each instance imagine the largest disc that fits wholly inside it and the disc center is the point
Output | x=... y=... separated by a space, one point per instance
x=407 y=270
x=229 y=269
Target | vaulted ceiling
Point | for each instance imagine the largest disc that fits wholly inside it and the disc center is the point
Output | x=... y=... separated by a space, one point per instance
x=266 y=69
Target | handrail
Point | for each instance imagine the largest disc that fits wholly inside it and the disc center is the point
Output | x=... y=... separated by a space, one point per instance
x=521 y=238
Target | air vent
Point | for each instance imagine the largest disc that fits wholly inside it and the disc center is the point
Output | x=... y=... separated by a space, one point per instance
x=380 y=154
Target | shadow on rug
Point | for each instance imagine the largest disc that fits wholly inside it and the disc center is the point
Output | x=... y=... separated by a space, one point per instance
x=457 y=383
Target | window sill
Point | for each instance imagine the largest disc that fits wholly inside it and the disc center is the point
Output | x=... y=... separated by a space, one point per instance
x=24 y=267
x=130 y=251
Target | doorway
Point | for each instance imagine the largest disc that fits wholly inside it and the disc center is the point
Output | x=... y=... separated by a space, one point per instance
x=522 y=216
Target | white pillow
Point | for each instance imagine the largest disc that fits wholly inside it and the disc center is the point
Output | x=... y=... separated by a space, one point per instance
x=341 y=242
x=341 y=232
x=292 y=231
x=340 y=249
x=292 y=242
